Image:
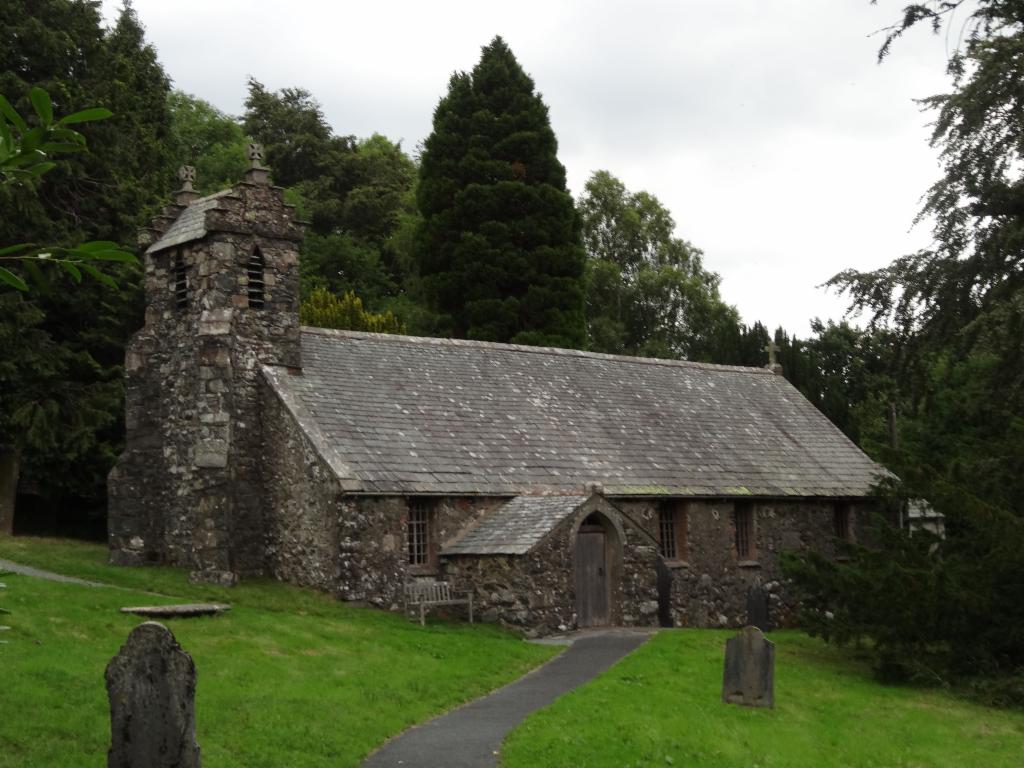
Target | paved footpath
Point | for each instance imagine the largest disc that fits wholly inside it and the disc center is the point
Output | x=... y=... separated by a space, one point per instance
x=470 y=736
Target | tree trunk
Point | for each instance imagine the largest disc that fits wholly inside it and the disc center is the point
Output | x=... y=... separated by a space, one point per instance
x=9 y=466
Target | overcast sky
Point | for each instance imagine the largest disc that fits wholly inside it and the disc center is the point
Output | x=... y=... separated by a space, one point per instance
x=767 y=128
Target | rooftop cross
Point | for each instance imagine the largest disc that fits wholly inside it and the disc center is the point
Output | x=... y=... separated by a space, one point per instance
x=258 y=172
x=187 y=194
x=187 y=177
x=255 y=153
x=771 y=349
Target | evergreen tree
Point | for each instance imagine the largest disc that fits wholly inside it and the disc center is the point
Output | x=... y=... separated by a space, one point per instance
x=296 y=136
x=68 y=412
x=499 y=248
x=956 y=310
x=951 y=609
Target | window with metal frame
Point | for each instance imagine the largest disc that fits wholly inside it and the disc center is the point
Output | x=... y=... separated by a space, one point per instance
x=255 y=272
x=180 y=279
x=744 y=521
x=418 y=532
x=672 y=531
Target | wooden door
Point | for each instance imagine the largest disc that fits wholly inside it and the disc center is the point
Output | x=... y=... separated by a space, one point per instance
x=591 y=578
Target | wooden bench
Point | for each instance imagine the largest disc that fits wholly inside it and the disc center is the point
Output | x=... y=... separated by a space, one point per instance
x=427 y=594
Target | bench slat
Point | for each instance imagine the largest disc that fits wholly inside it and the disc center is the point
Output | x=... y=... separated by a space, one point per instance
x=429 y=593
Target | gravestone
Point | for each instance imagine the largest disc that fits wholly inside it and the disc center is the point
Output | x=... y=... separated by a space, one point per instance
x=152 y=686
x=749 y=677
x=757 y=607
x=664 y=577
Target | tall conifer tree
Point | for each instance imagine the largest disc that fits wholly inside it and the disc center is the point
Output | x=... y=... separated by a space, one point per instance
x=60 y=376
x=499 y=248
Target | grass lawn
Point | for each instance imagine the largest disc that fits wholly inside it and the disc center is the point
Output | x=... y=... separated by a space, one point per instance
x=661 y=706
x=288 y=677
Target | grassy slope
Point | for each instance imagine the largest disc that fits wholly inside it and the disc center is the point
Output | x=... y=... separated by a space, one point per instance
x=661 y=706
x=289 y=677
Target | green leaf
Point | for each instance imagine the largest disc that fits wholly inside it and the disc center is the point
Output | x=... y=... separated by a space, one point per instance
x=12 y=115
x=25 y=158
x=6 y=138
x=71 y=269
x=107 y=280
x=31 y=140
x=97 y=245
x=122 y=256
x=66 y=136
x=54 y=147
x=86 y=116
x=42 y=105
x=40 y=168
x=16 y=248
x=12 y=279
x=39 y=279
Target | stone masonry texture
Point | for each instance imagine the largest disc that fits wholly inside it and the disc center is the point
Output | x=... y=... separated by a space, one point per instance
x=187 y=489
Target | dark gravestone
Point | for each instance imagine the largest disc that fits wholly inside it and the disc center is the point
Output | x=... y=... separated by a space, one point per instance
x=152 y=686
x=749 y=677
x=664 y=574
x=757 y=607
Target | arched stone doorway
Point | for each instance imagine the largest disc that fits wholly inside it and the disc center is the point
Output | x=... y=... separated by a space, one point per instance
x=597 y=553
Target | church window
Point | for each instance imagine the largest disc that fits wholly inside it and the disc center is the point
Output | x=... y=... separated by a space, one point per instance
x=672 y=531
x=180 y=280
x=744 y=520
x=419 y=532
x=841 y=522
x=254 y=270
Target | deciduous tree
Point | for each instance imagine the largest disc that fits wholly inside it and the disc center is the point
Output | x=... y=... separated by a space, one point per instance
x=648 y=292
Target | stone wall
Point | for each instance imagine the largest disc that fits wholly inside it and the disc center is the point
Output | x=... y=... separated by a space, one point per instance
x=710 y=583
x=186 y=491
x=355 y=547
x=302 y=506
x=374 y=562
x=536 y=592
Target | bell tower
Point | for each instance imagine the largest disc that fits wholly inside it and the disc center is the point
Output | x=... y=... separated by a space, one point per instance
x=222 y=298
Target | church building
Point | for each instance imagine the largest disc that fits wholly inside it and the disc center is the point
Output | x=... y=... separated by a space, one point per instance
x=563 y=489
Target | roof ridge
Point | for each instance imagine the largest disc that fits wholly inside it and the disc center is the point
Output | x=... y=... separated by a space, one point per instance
x=554 y=351
x=213 y=195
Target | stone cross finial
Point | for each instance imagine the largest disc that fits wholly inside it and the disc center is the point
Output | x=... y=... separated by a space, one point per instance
x=255 y=154
x=258 y=173
x=187 y=194
x=771 y=349
x=187 y=177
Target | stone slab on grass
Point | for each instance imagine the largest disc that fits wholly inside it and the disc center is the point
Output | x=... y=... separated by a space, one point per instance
x=179 y=611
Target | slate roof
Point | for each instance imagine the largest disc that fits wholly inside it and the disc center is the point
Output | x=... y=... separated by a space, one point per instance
x=190 y=224
x=406 y=415
x=515 y=527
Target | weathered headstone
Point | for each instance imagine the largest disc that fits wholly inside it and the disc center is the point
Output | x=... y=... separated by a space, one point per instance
x=152 y=686
x=664 y=574
x=757 y=607
x=749 y=676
